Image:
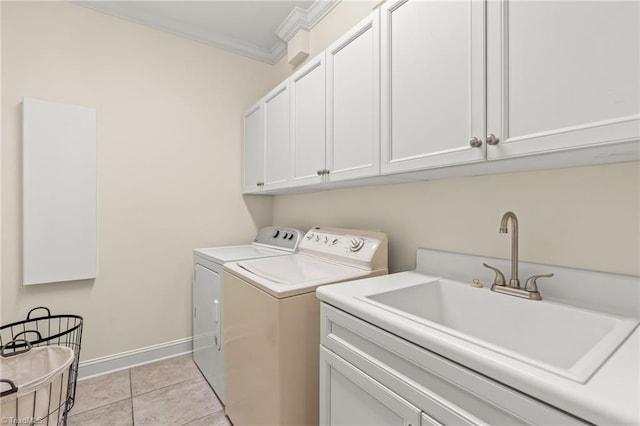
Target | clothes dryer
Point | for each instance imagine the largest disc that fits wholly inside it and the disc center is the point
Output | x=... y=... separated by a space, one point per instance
x=208 y=347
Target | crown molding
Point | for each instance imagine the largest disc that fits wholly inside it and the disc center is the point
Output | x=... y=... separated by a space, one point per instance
x=270 y=56
x=300 y=19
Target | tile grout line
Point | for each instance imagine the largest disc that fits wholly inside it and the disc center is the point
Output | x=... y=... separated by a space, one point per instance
x=131 y=394
x=206 y=415
x=165 y=386
x=75 y=413
x=99 y=406
x=133 y=417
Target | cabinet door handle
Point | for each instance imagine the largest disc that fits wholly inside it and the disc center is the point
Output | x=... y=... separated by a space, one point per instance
x=260 y=183
x=475 y=142
x=326 y=171
x=492 y=139
x=320 y=172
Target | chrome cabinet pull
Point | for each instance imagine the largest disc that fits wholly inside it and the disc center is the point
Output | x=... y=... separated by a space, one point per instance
x=475 y=142
x=492 y=139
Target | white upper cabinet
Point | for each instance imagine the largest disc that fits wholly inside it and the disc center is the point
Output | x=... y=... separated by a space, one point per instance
x=353 y=102
x=276 y=116
x=423 y=85
x=433 y=83
x=253 y=149
x=562 y=74
x=307 y=87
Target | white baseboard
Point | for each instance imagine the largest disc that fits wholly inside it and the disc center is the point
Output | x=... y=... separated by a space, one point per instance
x=109 y=364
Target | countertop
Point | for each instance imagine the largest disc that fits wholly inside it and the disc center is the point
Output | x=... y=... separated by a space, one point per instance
x=611 y=395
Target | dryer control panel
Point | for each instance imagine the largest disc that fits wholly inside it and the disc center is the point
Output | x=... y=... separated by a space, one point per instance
x=279 y=237
x=363 y=249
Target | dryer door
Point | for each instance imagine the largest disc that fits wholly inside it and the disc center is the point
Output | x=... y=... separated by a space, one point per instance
x=207 y=327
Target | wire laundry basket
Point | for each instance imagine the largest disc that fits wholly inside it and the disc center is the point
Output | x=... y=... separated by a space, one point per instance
x=34 y=384
x=46 y=330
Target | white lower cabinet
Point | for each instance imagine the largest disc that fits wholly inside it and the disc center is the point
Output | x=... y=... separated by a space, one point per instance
x=369 y=376
x=428 y=421
x=350 y=397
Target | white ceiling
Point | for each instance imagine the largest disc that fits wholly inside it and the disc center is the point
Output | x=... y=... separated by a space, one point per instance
x=249 y=28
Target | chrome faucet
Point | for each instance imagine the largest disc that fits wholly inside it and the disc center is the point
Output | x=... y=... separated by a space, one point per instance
x=530 y=291
x=513 y=282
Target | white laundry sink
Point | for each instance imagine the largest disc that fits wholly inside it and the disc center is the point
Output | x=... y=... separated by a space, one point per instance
x=562 y=339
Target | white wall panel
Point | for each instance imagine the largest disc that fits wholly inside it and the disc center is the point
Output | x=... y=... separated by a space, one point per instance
x=59 y=192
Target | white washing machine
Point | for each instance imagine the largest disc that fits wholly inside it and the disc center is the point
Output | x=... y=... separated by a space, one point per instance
x=208 y=348
x=272 y=323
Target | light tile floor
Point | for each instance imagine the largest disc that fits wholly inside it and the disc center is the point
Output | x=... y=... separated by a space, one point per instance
x=164 y=393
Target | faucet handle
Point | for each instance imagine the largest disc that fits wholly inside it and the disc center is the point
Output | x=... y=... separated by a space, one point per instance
x=531 y=282
x=499 y=278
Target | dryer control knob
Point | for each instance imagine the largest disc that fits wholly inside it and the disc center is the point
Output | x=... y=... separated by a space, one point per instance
x=285 y=236
x=310 y=236
x=276 y=233
x=356 y=244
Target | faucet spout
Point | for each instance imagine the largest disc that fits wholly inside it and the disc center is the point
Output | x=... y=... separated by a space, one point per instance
x=506 y=218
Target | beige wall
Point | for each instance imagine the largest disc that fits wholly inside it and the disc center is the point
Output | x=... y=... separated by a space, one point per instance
x=584 y=217
x=587 y=217
x=169 y=132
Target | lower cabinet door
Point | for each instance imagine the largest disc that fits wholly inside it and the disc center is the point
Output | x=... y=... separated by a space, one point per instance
x=429 y=421
x=350 y=397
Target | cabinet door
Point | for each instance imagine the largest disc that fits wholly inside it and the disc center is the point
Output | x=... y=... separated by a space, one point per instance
x=559 y=77
x=207 y=327
x=276 y=116
x=308 y=122
x=427 y=420
x=253 y=150
x=353 y=102
x=350 y=397
x=433 y=83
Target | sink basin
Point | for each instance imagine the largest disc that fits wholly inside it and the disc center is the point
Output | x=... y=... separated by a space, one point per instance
x=562 y=339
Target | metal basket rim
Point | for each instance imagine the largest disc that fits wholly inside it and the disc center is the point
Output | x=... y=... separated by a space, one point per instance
x=54 y=336
x=24 y=321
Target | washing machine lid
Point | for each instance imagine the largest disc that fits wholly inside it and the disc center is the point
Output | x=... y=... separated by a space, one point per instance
x=286 y=276
x=221 y=255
